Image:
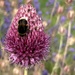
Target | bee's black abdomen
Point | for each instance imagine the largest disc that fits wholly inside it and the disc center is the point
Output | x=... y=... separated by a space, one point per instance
x=22 y=27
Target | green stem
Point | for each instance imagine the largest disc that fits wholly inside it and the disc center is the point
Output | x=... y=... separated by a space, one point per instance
x=25 y=71
x=57 y=62
x=24 y=1
x=66 y=47
x=53 y=9
x=59 y=51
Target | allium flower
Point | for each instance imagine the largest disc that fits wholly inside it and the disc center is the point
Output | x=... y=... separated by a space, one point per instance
x=37 y=6
x=44 y=72
x=7 y=5
x=19 y=2
x=72 y=49
x=63 y=19
x=7 y=18
x=51 y=1
x=32 y=47
x=73 y=27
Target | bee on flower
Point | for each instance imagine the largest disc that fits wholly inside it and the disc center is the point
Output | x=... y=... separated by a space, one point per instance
x=26 y=41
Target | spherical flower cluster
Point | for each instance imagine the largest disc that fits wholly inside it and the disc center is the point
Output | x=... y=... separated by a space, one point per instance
x=44 y=72
x=29 y=49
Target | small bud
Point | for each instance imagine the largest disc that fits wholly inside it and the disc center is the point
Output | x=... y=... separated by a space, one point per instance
x=62 y=30
x=2 y=64
x=13 y=3
x=72 y=40
x=69 y=1
x=60 y=9
x=66 y=68
x=44 y=23
x=58 y=57
x=2 y=3
x=15 y=71
x=14 y=11
x=70 y=14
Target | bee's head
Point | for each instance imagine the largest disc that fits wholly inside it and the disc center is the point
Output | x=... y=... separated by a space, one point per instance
x=23 y=27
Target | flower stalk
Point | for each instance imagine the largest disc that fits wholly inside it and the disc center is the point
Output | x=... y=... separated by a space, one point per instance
x=66 y=47
x=59 y=51
x=53 y=8
x=25 y=71
x=57 y=62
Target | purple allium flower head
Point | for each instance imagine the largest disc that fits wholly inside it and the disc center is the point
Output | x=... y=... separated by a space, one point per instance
x=49 y=21
x=47 y=4
x=7 y=19
x=35 y=1
x=19 y=2
x=36 y=5
x=72 y=49
x=7 y=3
x=47 y=12
x=39 y=12
x=63 y=19
x=7 y=6
x=73 y=27
x=54 y=54
x=70 y=8
x=51 y=1
x=31 y=48
x=44 y=72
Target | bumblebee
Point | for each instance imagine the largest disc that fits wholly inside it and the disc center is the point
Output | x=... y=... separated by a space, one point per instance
x=23 y=27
